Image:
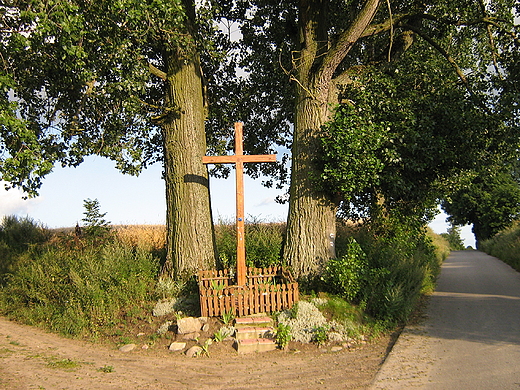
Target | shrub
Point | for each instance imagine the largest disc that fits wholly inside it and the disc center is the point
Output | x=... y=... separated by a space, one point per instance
x=347 y=274
x=283 y=335
x=16 y=236
x=401 y=261
x=505 y=246
x=397 y=263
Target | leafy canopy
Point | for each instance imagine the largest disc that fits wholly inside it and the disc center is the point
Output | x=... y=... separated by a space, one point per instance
x=80 y=78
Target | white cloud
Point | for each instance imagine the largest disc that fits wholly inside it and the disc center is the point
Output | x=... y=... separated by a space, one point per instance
x=12 y=202
x=266 y=202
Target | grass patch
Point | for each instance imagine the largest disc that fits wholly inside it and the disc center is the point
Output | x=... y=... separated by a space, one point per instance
x=62 y=364
x=76 y=291
x=5 y=351
x=106 y=369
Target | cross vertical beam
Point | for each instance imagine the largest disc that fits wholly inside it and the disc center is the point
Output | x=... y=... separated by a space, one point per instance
x=239 y=159
x=241 y=244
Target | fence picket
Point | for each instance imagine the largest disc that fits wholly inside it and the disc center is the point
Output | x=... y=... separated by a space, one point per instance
x=260 y=294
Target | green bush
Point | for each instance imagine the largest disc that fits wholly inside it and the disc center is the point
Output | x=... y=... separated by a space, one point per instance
x=16 y=236
x=505 y=246
x=346 y=275
x=386 y=270
x=402 y=263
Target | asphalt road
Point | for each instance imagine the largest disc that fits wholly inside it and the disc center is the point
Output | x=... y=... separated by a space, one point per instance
x=470 y=338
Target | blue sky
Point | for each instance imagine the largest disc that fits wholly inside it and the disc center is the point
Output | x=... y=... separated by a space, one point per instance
x=127 y=199
x=141 y=200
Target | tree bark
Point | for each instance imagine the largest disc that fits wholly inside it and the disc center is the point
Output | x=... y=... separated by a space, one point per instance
x=190 y=243
x=311 y=225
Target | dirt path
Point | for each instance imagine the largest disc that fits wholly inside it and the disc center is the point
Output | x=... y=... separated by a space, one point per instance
x=33 y=359
x=471 y=337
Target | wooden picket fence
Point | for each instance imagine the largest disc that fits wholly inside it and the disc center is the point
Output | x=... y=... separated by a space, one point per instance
x=267 y=290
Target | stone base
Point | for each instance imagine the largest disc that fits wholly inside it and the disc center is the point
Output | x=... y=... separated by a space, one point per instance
x=254 y=345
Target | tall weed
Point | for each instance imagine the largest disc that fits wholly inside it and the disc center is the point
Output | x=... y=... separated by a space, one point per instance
x=505 y=246
x=16 y=236
x=20 y=233
x=72 y=292
x=263 y=243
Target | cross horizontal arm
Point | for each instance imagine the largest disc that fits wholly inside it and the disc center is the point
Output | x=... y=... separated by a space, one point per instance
x=247 y=158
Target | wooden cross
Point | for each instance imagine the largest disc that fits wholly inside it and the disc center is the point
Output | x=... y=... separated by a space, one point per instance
x=239 y=159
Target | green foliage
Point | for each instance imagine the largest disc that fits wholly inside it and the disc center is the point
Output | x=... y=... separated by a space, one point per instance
x=505 y=245
x=106 y=369
x=16 y=236
x=402 y=264
x=351 y=317
x=106 y=93
x=219 y=336
x=350 y=150
x=63 y=364
x=454 y=238
x=205 y=347
x=490 y=201
x=96 y=227
x=396 y=264
x=283 y=335
x=228 y=317
x=168 y=288
x=321 y=335
x=263 y=243
x=73 y=292
x=346 y=275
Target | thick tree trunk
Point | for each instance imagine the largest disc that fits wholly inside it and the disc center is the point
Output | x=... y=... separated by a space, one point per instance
x=311 y=226
x=190 y=239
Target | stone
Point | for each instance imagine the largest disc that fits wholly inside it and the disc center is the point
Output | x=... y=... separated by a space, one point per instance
x=145 y=346
x=205 y=327
x=188 y=325
x=254 y=345
x=191 y=336
x=336 y=349
x=127 y=347
x=194 y=351
x=177 y=346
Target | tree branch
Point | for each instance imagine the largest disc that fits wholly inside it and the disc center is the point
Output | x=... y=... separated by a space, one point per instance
x=346 y=41
x=452 y=62
x=385 y=26
x=441 y=50
x=157 y=72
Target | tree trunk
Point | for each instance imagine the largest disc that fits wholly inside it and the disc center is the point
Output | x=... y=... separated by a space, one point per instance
x=190 y=243
x=311 y=226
